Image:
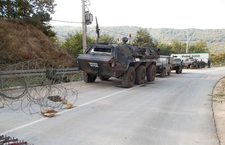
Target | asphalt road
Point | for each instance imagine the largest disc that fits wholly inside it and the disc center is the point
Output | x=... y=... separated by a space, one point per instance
x=176 y=110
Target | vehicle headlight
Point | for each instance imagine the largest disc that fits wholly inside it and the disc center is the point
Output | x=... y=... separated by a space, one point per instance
x=113 y=64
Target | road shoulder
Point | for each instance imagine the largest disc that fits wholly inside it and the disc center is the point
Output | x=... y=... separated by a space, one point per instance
x=219 y=109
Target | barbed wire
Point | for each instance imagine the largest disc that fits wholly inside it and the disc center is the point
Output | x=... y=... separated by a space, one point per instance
x=33 y=93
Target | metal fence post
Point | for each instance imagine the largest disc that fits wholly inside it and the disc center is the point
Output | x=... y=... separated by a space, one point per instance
x=1 y=83
x=1 y=87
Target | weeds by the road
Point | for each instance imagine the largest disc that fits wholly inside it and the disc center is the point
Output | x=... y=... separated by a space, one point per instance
x=218 y=98
x=217 y=95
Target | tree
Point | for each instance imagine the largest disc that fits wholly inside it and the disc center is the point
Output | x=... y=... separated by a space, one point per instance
x=73 y=44
x=217 y=58
x=199 y=46
x=165 y=49
x=176 y=46
x=2 y=7
x=143 y=38
x=44 y=6
x=35 y=12
x=40 y=20
x=155 y=43
x=183 y=47
x=107 y=38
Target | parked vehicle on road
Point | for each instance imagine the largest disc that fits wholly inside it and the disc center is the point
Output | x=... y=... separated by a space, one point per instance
x=163 y=65
x=201 y=64
x=177 y=65
x=132 y=64
x=199 y=56
x=191 y=63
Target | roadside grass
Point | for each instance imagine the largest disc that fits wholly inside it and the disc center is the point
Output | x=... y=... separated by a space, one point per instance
x=220 y=92
x=20 y=42
x=220 y=98
x=217 y=95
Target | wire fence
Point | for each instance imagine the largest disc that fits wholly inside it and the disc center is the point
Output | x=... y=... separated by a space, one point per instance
x=35 y=83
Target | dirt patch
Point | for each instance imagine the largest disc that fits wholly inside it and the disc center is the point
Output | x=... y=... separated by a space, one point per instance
x=20 y=42
x=219 y=109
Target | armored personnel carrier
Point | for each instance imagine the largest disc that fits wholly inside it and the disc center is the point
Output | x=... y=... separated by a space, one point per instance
x=125 y=61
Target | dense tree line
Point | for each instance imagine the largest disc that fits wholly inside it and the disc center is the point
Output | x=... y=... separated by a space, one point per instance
x=215 y=39
x=142 y=38
x=35 y=12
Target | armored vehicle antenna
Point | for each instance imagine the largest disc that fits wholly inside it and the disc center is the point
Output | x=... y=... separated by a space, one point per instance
x=97 y=29
x=124 y=39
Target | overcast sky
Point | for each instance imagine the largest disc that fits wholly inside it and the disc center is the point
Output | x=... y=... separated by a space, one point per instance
x=178 y=14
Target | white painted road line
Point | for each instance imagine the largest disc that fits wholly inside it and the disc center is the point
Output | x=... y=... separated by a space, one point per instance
x=34 y=122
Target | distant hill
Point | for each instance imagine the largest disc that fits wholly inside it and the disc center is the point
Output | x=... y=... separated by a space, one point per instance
x=21 y=42
x=215 y=38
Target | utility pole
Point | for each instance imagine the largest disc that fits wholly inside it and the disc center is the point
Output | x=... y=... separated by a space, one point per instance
x=84 y=26
x=187 y=42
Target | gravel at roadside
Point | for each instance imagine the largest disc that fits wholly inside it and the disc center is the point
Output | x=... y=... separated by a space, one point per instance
x=219 y=109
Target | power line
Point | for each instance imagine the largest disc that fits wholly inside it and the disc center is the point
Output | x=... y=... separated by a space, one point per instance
x=66 y=21
x=109 y=30
x=122 y=34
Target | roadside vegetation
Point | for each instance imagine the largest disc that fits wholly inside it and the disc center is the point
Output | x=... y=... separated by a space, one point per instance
x=25 y=34
x=218 y=98
x=34 y=12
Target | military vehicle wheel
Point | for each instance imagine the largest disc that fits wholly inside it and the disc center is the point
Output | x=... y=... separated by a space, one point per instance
x=140 y=75
x=128 y=77
x=151 y=73
x=177 y=70
x=89 y=78
x=163 y=73
x=103 y=78
x=196 y=66
x=169 y=72
x=181 y=69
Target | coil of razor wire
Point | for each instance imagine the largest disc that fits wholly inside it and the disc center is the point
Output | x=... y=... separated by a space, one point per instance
x=29 y=91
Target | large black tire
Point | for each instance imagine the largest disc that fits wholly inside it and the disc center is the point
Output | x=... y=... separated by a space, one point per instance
x=151 y=73
x=177 y=70
x=140 y=75
x=163 y=73
x=89 y=78
x=103 y=78
x=196 y=66
x=181 y=68
x=128 y=78
x=169 y=72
